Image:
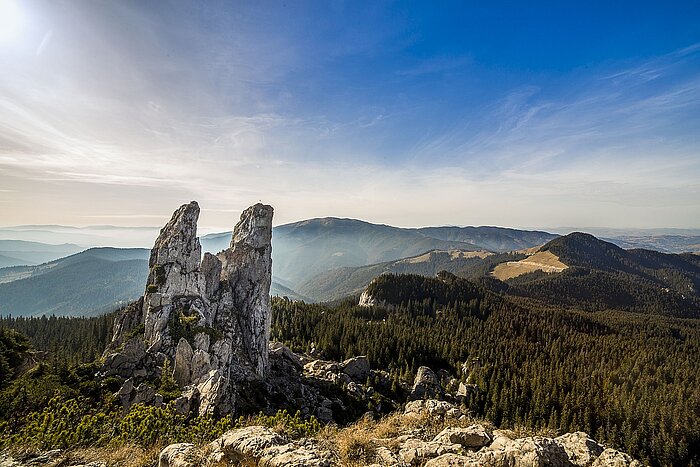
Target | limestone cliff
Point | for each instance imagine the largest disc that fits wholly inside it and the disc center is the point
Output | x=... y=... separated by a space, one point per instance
x=206 y=319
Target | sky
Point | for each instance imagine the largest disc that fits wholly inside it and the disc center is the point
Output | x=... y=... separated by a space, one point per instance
x=518 y=114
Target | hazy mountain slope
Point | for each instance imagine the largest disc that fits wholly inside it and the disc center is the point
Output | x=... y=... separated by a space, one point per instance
x=87 y=286
x=87 y=283
x=216 y=242
x=111 y=254
x=86 y=237
x=341 y=282
x=496 y=239
x=602 y=275
x=662 y=243
x=304 y=249
x=20 y=252
x=8 y=261
x=278 y=290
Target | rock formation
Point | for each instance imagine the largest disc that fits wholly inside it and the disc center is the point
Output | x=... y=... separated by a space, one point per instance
x=205 y=319
x=459 y=443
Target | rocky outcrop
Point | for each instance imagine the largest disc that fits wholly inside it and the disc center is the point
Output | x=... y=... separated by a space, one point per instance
x=426 y=385
x=471 y=437
x=205 y=319
x=367 y=300
x=458 y=444
x=255 y=444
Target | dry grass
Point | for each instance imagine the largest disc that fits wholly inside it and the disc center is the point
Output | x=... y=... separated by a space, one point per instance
x=541 y=261
x=523 y=432
x=113 y=456
x=454 y=254
x=355 y=445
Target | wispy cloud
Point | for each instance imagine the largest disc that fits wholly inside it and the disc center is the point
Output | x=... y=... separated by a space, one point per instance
x=438 y=64
x=181 y=107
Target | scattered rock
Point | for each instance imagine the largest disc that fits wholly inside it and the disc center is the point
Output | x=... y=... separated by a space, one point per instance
x=432 y=407
x=613 y=458
x=176 y=455
x=426 y=385
x=357 y=368
x=453 y=460
x=472 y=437
x=416 y=452
x=581 y=449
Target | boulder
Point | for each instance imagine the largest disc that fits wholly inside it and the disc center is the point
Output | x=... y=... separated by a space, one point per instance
x=426 y=385
x=299 y=454
x=524 y=452
x=581 y=449
x=613 y=458
x=416 y=451
x=472 y=437
x=177 y=455
x=268 y=448
x=357 y=368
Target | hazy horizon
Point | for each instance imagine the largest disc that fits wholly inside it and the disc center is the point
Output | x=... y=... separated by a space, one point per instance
x=143 y=236
x=391 y=112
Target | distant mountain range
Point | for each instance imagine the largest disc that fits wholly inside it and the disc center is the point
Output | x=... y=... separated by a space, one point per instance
x=596 y=276
x=600 y=275
x=303 y=250
x=92 y=282
x=341 y=282
x=330 y=258
x=20 y=252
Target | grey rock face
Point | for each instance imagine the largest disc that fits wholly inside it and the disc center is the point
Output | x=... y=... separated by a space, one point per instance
x=426 y=385
x=209 y=317
x=176 y=455
x=581 y=448
x=357 y=368
x=252 y=443
x=247 y=269
x=613 y=458
x=472 y=437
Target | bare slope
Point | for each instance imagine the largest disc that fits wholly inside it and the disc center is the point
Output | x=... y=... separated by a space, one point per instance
x=544 y=261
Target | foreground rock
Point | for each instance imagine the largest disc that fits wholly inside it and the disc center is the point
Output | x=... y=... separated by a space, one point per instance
x=455 y=445
x=255 y=444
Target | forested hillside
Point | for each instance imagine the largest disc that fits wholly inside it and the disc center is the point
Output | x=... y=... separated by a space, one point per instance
x=602 y=276
x=89 y=283
x=629 y=379
x=341 y=282
x=70 y=341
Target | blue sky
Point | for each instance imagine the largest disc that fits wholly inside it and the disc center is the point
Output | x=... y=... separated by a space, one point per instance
x=519 y=114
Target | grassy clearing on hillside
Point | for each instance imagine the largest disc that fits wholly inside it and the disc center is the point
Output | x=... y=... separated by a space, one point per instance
x=545 y=261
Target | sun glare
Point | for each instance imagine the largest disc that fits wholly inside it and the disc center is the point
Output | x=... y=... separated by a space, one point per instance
x=10 y=18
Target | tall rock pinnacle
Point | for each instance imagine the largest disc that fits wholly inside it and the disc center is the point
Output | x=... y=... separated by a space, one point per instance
x=209 y=318
x=247 y=267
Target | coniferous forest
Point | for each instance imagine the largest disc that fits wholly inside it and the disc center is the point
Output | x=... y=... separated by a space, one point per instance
x=629 y=379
